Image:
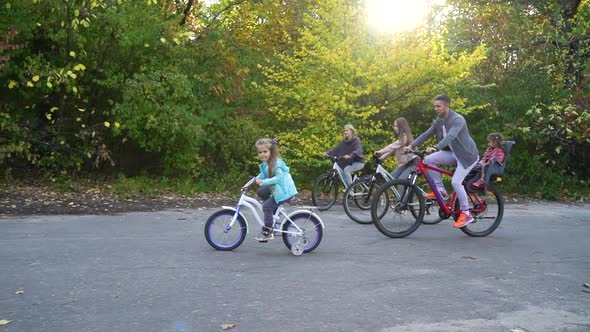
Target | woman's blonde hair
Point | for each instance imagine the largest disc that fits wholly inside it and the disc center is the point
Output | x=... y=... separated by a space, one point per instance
x=273 y=146
x=351 y=128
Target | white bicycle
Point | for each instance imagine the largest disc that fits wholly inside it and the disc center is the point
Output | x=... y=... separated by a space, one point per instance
x=302 y=230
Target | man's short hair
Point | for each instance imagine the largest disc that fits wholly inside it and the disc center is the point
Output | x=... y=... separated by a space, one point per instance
x=443 y=98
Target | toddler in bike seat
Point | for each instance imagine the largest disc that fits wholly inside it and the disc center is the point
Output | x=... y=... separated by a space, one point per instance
x=494 y=150
x=275 y=181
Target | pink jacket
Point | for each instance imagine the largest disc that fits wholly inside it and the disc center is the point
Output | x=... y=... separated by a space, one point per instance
x=397 y=148
x=490 y=153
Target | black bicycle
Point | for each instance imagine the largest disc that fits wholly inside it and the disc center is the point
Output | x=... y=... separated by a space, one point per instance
x=325 y=188
x=358 y=196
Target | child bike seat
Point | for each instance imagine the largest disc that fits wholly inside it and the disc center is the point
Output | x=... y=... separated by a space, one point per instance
x=493 y=171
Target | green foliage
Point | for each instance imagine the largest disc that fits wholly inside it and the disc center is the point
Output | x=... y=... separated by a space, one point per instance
x=120 y=87
x=532 y=86
x=531 y=175
x=337 y=75
x=157 y=112
x=127 y=187
x=153 y=186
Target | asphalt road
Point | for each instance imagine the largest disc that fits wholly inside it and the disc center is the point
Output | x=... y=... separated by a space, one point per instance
x=155 y=272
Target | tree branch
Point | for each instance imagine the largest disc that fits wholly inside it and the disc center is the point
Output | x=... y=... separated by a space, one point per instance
x=187 y=11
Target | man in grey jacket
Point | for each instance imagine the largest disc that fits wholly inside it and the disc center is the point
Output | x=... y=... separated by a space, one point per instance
x=455 y=147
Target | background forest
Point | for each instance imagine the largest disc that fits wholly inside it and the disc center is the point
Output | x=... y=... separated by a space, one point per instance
x=174 y=93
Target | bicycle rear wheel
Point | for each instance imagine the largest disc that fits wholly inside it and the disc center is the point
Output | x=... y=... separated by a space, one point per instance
x=487 y=210
x=357 y=202
x=402 y=215
x=218 y=233
x=312 y=231
x=325 y=191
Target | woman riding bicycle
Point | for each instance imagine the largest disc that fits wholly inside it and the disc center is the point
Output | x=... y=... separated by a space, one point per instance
x=351 y=151
x=405 y=162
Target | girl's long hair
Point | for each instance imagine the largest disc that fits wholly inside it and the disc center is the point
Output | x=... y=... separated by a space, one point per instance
x=405 y=133
x=273 y=146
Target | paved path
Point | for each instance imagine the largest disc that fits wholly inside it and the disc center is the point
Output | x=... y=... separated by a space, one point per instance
x=155 y=272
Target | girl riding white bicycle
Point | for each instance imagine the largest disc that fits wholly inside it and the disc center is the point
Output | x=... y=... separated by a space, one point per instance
x=275 y=181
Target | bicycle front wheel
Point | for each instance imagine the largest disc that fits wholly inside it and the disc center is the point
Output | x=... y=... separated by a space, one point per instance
x=431 y=213
x=487 y=210
x=357 y=200
x=220 y=235
x=325 y=191
x=308 y=232
x=404 y=211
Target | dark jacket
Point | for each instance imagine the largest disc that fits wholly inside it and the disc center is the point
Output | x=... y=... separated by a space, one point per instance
x=353 y=148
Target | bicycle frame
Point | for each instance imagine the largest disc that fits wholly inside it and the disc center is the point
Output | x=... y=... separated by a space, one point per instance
x=383 y=172
x=338 y=170
x=255 y=208
x=340 y=173
x=447 y=209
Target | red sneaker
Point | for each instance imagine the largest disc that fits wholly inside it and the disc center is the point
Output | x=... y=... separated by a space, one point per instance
x=463 y=220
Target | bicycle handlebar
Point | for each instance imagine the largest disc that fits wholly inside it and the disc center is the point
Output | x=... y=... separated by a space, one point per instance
x=419 y=153
x=377 y=158
x=333 y=158
x=248 y=184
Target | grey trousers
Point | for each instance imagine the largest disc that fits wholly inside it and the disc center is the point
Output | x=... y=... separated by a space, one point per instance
x=355 y=166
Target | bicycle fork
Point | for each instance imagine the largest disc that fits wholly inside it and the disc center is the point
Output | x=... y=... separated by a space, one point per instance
x=233 y=219
x=405 y=197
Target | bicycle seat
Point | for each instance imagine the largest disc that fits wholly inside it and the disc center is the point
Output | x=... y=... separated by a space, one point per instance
x=493 y=171
x=290 y=201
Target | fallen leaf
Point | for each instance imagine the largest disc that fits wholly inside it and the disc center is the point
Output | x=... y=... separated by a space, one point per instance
x=227 y=326
x=4 y=322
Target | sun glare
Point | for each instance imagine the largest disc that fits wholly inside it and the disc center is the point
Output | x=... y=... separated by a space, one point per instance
x=390 y=16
